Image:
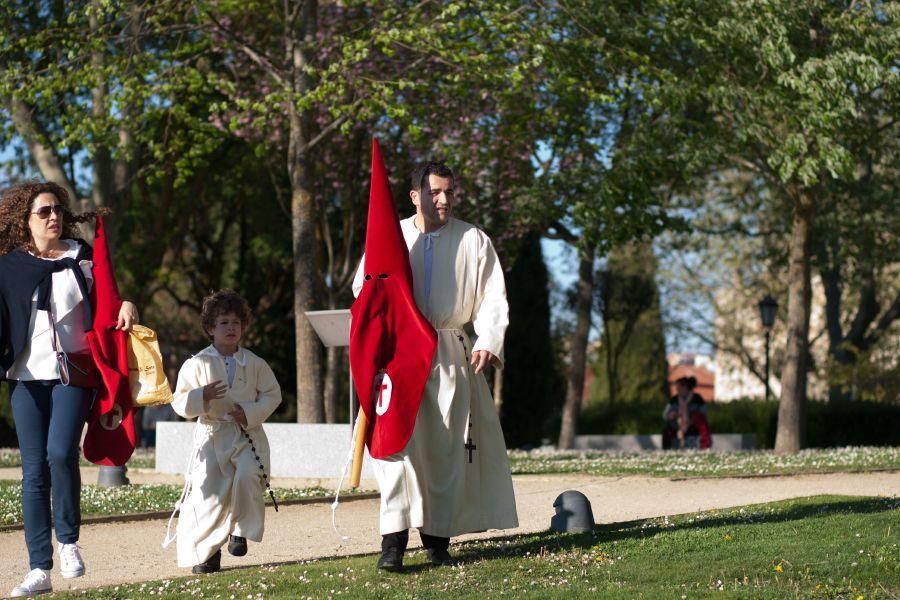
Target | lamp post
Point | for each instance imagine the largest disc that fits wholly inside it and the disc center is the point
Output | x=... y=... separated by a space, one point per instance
x=768 y=308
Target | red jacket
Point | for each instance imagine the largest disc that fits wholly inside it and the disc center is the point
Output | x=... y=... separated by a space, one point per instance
x=110 y=438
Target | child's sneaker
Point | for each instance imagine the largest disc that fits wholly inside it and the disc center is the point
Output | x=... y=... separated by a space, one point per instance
x=36 y=582
x=70 y=563
x=237 y=545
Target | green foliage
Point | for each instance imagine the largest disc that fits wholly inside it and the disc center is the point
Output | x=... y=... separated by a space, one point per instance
x=792 y=100
x=828 y=424
x=576 y=120
x=630 y=365
x=55 y=58
x=873 y=375
x=221 y=228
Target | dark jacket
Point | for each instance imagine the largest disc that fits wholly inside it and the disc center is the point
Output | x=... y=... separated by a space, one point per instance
x=695 y=403
x=21 y=274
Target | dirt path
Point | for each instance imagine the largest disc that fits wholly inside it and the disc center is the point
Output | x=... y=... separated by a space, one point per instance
x=130 y=552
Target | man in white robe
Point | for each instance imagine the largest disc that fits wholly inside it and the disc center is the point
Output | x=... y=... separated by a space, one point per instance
x=453 y=476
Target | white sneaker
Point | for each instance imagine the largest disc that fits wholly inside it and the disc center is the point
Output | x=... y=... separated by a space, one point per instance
x=70 y=563
x=36 y=582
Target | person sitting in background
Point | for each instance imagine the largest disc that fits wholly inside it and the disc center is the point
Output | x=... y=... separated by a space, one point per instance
x=686 y=425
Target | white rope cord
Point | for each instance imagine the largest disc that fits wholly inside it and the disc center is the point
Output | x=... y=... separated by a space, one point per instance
x=167 y=541
x=337 y=492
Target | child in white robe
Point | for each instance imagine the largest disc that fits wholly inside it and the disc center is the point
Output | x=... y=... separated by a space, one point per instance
x=231 y=391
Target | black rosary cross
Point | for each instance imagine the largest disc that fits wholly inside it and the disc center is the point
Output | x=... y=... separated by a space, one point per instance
x=261 y=468
x=469 y=445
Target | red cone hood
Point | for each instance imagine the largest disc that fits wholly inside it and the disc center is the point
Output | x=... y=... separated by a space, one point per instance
x=391 y=343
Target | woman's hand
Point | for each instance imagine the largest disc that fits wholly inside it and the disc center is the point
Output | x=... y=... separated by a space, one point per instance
x=128 y=316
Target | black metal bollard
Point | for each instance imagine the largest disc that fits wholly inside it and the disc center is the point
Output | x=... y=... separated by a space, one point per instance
x=112 y=476
x=573 y=513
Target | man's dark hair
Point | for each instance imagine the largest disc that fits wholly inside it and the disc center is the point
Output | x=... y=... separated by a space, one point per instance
x=432 y=167
x=223 y=302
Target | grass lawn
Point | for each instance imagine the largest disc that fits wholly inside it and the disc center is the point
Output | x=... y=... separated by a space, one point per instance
x=127 y=499
x=143 y=458
x=691 y=463
x=822 y=547
x=674 y=463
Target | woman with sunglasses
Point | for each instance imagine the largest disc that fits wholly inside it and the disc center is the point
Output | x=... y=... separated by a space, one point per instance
x=45 y=283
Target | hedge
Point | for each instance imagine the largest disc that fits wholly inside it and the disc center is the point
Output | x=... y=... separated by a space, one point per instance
x=827 y=424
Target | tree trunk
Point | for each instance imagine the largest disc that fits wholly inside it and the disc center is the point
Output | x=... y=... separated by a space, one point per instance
x=102 y=161
x=333 y=375
x=610 y=369
x=845 y=347
x=45 y=157
x=792 y=408
x=309 y=356
x=112 y=177
x=578 y=350
x=310 y=406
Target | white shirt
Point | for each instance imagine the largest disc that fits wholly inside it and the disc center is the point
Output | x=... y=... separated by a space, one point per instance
x=37 y=360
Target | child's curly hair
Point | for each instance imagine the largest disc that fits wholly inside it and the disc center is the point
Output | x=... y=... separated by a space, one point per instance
x=15 y=210
x=220 y=303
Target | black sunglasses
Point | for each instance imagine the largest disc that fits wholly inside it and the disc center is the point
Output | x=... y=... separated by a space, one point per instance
x=44 y=211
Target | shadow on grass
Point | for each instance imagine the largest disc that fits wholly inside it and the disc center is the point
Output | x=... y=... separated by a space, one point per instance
x=537 y=543
x=518 y=545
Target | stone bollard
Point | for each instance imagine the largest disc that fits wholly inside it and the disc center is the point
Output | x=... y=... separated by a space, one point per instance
x=573 y=513
x=112 y=476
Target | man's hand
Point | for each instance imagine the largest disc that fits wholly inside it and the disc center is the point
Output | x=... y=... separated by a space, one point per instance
x=213 y=391
x=481 y=358
x=239 y=415
x=128 y=316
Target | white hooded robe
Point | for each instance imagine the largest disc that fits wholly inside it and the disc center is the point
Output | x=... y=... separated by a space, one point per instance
x=226 y=485
x=433 y=484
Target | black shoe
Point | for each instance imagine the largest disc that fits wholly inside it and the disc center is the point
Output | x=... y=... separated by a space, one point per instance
x=439 y=557
x=237 y=545
x=391 y=560
x=211 y=565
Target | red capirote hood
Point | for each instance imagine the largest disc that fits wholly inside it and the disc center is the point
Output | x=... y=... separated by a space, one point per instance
x=391 y=343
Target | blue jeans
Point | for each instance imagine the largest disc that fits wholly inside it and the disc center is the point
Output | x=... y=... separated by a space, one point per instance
x=49 y=418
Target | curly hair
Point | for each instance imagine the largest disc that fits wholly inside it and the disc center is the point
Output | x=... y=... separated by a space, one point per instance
x=15 y=210
x=223 y=302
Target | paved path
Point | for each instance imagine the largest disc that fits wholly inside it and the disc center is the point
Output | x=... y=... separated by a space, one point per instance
x=304 y=531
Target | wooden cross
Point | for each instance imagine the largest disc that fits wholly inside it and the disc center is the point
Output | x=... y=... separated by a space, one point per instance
x=469 y=445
